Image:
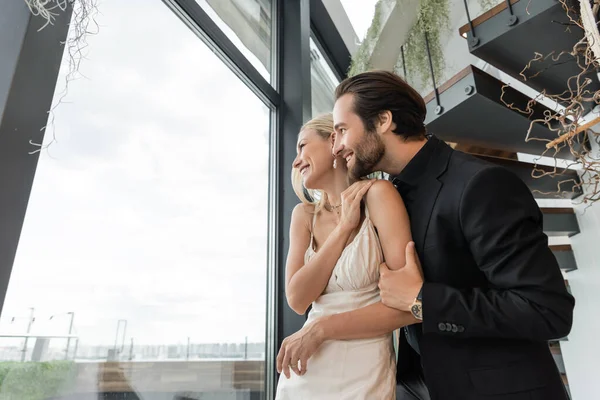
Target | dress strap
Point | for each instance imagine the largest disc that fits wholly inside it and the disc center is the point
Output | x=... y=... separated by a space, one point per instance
x=312 y=230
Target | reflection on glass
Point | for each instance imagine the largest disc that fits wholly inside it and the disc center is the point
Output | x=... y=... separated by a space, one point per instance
x=247 y=23
x=141 y=268
x=322 y=81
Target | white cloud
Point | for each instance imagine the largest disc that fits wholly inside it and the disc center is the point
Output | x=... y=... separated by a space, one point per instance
x=152 y=204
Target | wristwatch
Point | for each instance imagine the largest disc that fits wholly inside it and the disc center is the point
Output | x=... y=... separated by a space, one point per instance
x=417 y=306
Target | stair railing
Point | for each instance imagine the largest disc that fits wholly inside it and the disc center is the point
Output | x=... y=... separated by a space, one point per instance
x=513 y=18
x=403 y=62
x=474 y=39
x=439 y=109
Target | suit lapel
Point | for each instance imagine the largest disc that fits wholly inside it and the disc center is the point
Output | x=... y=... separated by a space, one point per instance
x=427 y=194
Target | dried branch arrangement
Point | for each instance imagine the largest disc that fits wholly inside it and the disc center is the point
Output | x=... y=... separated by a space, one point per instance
x=82 y=25
x=572 y=134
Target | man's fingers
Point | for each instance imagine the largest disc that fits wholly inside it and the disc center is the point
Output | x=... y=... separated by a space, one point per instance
x=411 y=254
x=383 y=268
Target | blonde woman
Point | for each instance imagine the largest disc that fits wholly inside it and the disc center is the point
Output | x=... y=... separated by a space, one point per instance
x=338 y=239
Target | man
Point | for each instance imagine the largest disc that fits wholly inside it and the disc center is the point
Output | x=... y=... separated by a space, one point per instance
x=493 y=293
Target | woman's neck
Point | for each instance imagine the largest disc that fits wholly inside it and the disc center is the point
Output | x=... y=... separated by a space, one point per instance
x=334 y=191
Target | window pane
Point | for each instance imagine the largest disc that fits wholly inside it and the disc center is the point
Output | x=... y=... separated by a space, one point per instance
x=323 y=82
x=247 y=23
x=146 y=232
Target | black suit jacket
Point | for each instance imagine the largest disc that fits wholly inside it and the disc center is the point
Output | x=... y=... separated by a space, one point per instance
x=493 y=294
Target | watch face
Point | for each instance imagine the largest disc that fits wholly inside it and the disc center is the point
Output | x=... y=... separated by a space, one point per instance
x=417 y=311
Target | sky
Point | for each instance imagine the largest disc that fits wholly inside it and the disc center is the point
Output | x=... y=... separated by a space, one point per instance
x=151 y=204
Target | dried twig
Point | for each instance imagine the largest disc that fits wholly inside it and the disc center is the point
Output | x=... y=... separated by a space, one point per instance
x=571 y=135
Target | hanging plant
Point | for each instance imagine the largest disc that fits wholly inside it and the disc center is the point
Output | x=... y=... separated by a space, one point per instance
x=433 y=20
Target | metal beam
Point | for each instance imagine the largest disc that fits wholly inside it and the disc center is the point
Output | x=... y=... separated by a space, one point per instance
x=190 y=12
x=29 y=65
x=329 y=38
x=295 y=90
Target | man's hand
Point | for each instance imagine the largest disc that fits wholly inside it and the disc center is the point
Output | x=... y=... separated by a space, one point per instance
x=298 y=348
x=400 y=288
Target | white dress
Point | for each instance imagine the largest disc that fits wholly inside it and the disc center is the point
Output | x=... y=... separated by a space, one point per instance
x=347 y=369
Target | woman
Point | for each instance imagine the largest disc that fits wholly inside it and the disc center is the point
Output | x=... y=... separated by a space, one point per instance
x=333 y=264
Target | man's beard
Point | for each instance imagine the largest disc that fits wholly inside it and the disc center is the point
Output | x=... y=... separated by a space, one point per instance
x=367 y=155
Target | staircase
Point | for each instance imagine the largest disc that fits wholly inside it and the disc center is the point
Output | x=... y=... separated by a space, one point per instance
x=509 y=38
x=481 y=115
x=471 y=108
x=484 y=116
x=548 y=183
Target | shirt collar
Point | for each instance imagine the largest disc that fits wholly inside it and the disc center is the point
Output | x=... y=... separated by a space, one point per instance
x=417 y=166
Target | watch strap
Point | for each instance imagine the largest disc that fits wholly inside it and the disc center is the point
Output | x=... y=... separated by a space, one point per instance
x=420 y=294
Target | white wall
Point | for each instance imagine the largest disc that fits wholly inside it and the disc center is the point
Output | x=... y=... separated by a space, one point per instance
x=581 y=352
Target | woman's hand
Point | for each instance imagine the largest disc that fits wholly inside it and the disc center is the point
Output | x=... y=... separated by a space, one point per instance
x=351 y=199
x=296 y=349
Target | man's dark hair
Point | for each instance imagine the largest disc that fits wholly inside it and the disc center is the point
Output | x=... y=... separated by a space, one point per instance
x=378 y=91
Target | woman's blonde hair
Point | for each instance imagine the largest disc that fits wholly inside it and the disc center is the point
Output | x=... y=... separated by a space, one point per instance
x=323 y=125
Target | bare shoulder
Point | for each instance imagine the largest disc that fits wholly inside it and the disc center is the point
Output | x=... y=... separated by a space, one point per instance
x=302 y=214
x=381 y=192
x=382 y=186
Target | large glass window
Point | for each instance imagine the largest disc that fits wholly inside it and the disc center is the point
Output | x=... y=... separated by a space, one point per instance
x=322 y=80
x=141 y=267
x=248 y=24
